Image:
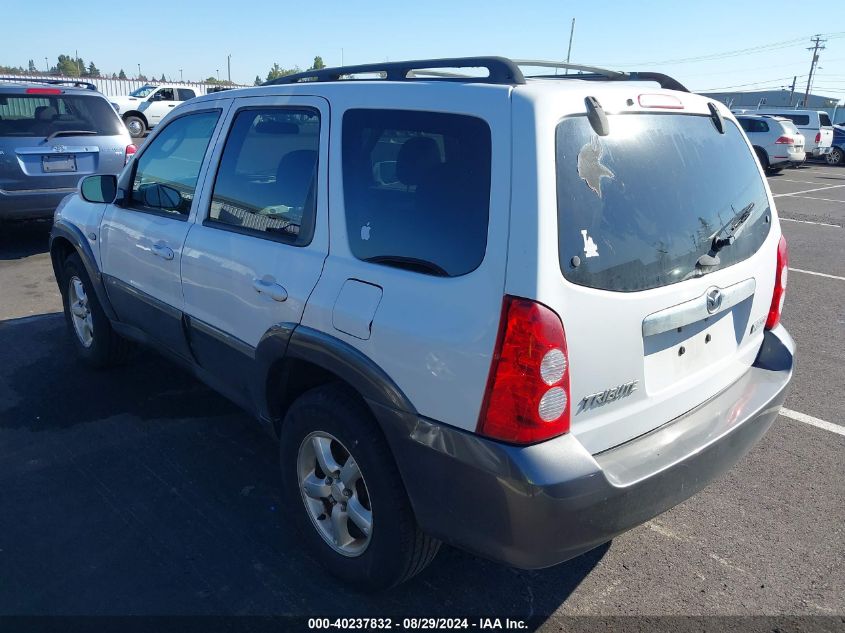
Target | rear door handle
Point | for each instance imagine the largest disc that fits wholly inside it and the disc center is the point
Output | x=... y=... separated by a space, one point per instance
x=162 y=250
x=172 y=105
x=269 y=287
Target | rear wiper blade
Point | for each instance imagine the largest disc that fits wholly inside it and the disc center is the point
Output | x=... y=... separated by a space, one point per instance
x=70 y=133
x=731 y=228
x=725 y=237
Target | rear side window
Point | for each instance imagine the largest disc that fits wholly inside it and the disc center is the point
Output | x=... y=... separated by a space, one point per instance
x=185 y=94
x=638 y=208
x=166 y=173
x=266 y=182
x=797 y=119
x=824 y=120
x=43 y=115
x=754 y=125
x=416 y=187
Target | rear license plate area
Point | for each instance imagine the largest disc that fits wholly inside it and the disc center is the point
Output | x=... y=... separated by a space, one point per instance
x=680 y=353
x=58 y=163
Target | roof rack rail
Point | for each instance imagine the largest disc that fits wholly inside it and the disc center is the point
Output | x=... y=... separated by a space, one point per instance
x=500 y=71
x=600 y=74
x=73 y=82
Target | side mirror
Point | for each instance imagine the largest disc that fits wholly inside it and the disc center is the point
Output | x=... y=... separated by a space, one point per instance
x=99 y=188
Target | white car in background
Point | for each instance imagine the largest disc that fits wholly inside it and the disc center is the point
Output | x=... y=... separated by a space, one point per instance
x=776 y=140
x=143 y=108
x=815 y=125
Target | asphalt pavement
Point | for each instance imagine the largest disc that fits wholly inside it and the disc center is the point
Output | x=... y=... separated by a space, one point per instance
x=141 y=491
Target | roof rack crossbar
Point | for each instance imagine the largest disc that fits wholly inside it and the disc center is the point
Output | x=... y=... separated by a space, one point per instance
x=500 y=71
x=52 y=82
x=602 y=74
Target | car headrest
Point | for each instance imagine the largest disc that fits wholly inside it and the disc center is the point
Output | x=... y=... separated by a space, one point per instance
x=416 y=158
x=45 y=113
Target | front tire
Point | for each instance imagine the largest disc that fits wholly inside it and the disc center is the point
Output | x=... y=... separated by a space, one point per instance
x=96 y=342
x=345 y=493
x=135 y=125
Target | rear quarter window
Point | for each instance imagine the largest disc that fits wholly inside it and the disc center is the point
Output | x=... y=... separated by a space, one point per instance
x=824 y=120
x=639 y=207
x=416 y=187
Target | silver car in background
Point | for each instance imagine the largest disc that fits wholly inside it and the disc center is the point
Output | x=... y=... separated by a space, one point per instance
x=51 y=135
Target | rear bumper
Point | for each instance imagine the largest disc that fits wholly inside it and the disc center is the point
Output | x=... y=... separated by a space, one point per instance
x=26 y=205
x=540 y=505
x=819 y=151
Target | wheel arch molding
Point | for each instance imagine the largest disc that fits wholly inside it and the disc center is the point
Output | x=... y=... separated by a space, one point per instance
x=293 y=358
x=66 y=238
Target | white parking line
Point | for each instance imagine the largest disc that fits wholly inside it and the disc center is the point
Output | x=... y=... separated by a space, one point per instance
x=803 y=182
x=810 y=272
x=808 y=419
x=795 y=193
x=836 y=226
x=823 y=199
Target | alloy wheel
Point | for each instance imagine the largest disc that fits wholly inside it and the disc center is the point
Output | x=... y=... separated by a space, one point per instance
x=80 y=312
x=335 y=494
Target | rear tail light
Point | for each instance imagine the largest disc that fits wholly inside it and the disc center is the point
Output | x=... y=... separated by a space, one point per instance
x=43 y=91
x=527 y=398
x=780 y=285
x=784 y=140
x=130 y=151
x=818 y=137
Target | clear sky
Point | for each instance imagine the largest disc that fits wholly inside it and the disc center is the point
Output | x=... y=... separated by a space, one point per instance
x=164 y=36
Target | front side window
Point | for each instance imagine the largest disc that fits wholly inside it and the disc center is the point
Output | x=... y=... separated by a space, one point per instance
x=165 y=94
x=267 y=179
x=416 y=188
x=166 y=173
x=638 y=209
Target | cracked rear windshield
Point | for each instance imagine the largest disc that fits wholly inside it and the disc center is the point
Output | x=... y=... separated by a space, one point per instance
x=638 y=209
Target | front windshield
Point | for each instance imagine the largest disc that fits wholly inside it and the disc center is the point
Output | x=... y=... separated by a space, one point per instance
x=143 y=91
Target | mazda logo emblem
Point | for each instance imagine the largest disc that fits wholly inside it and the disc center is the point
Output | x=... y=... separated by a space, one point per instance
x=714 y=300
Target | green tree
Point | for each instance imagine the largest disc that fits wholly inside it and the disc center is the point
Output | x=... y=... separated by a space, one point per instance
x=162 y=77
x=277 y=71
x=93 y=71
x=66 y=66
x=121 y=75
x=31 y=67
x=258 y=81
x=318 y=63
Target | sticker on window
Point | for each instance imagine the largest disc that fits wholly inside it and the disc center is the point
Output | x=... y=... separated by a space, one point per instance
x=590 y=168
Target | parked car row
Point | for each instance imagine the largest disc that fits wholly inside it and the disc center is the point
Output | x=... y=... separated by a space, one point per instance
x=775 y=132
x=144 y=108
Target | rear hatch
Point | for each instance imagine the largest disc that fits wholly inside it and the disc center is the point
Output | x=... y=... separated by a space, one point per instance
x=50 y=139
x=657 y=319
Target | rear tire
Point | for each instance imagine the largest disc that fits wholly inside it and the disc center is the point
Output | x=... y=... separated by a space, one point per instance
x=329 y=428
x=836 y=157
x=763 y=157
x=96 y=342
x=136 y=126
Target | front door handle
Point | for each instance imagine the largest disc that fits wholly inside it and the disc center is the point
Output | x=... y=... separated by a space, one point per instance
x=162 y=250
x=268 y=286
x=172 y=105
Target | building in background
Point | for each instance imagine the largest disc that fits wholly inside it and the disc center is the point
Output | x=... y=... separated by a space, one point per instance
x=780 y=98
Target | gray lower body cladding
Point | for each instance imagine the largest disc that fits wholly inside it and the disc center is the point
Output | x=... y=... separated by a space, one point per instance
x=536 y=506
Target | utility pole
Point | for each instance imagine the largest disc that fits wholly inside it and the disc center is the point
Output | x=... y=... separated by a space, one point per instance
x=78 y=69
x=46 y=66
x=792 y=90
x=139 y=71
x=218 y=75
x=569 y=50
x=180 y=76
x=229 y=66
x=818 y=41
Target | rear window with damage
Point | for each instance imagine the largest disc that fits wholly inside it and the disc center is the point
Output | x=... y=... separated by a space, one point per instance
x=641 y=207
